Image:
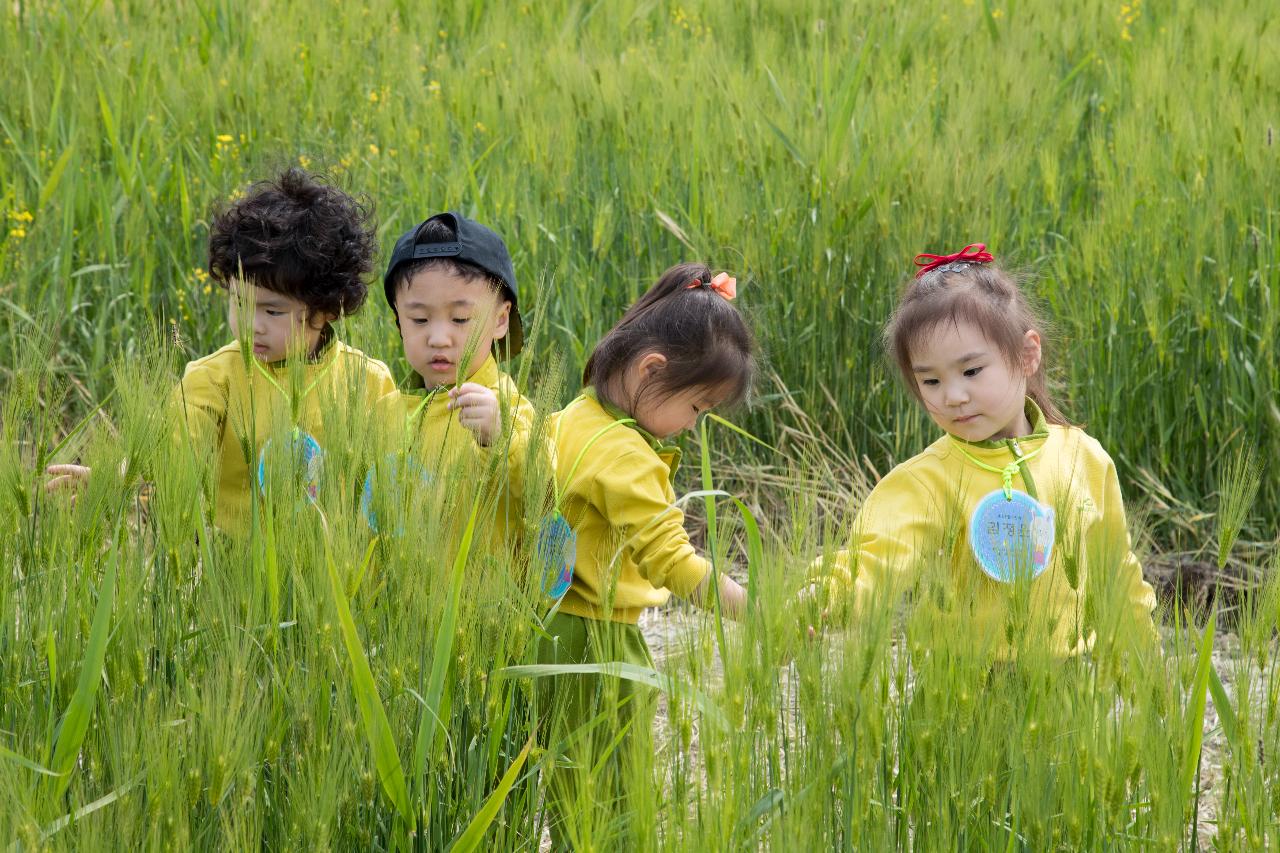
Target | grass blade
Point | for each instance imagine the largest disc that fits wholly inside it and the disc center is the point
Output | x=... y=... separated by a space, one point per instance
x=431 y=726
x=23 y=761
x=1198 y=700
x=639 y=674
x=377 y=727
x=75 y=723
x=471 y=837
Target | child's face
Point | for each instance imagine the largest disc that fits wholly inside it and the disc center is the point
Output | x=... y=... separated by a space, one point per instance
x=666 y=416
x=280 y=325
x=443 y=317
x=968 y=385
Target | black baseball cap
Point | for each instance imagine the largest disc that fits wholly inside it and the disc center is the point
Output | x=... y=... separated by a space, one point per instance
x=475 y=244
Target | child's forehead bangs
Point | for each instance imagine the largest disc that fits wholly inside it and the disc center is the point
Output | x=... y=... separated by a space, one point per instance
x=932 y=306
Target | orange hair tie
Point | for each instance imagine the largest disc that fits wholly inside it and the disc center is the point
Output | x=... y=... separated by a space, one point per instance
x=723 y=284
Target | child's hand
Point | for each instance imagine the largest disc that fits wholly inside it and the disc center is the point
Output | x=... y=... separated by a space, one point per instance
x=733 y=598
x=73 y=477
x=807 y=598
x=478 y=411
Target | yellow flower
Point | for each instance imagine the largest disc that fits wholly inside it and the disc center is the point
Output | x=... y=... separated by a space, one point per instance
x=373 y=97
x=443 y=34
x=304 y=161
x=18 y=232
x=434 y=87
x=997 y=13
x=224 y=137
x=373 y=149
x=480 y=128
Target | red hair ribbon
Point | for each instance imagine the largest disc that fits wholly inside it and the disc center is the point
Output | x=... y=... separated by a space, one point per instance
x=979 y=255
x=723 y=284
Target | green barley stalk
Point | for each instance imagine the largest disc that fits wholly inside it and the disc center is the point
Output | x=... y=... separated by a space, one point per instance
x=1238 y=490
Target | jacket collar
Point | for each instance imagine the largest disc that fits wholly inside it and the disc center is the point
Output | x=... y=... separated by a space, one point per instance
x=659 y=446
x=1039 y=432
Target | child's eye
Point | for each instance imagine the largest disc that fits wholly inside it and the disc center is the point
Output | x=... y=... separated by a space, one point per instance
x=418 y=321
x=929 y=382
x=271 y=313
x=972 y=372
x=462 y=321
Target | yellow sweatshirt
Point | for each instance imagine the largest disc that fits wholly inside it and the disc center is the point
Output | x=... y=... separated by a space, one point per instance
x=633 y=550
x=921 y=510
x=229 y=404
x=422 y=425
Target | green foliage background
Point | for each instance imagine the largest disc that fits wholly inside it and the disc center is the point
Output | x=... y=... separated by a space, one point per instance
x=1124 y=155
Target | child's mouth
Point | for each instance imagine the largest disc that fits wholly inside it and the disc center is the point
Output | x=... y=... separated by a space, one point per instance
x=440 y=363
x=966 y=419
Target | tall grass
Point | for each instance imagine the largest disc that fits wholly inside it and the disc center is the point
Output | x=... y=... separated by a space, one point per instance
x=312 y=684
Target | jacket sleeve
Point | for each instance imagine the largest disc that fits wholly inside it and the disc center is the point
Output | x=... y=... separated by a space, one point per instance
x=898 y=524
x=631 y=494
x=522 y=416
x=200 y=405
x=1139 y=599
x=378 y=381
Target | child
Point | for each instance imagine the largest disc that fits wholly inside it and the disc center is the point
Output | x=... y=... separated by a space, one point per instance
x=679 y=351
x=452 y=287
x=292 y=255
x=1026 y=508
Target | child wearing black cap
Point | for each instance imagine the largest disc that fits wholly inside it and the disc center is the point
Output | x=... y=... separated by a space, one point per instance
x=292 y=255
x=452 y=287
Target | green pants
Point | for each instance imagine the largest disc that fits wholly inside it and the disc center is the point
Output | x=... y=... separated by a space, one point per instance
x=594 y=724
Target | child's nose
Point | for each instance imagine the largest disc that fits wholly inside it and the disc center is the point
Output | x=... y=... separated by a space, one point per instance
x=956 y=395
x=438 y=335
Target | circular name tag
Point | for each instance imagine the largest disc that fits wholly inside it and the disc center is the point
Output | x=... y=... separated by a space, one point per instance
x=556 y=552
x=302 y=462
x=1011 y=538
x=393 y=488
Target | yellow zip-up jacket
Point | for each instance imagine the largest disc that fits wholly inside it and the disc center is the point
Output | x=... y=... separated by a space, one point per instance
x=229 y=403
x=920 y=513
x=422 y=425
x=633 y=550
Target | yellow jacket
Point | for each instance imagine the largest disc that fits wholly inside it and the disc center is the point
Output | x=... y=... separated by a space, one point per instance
x=231 y=405
x=633 y=550
x=921 y=510
x=422 y=425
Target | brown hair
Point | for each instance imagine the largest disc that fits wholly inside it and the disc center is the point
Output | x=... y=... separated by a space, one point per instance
x=702 y=335
x=981 y=294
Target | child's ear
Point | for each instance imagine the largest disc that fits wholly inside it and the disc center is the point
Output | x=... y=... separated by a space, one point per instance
x=326 y=318
x=651 y=364
x=1031 y=352
x=502 y=322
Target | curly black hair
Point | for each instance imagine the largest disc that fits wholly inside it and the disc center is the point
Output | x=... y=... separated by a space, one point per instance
x=298 y=236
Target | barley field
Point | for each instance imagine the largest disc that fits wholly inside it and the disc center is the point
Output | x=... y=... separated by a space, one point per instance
x=163 y=686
